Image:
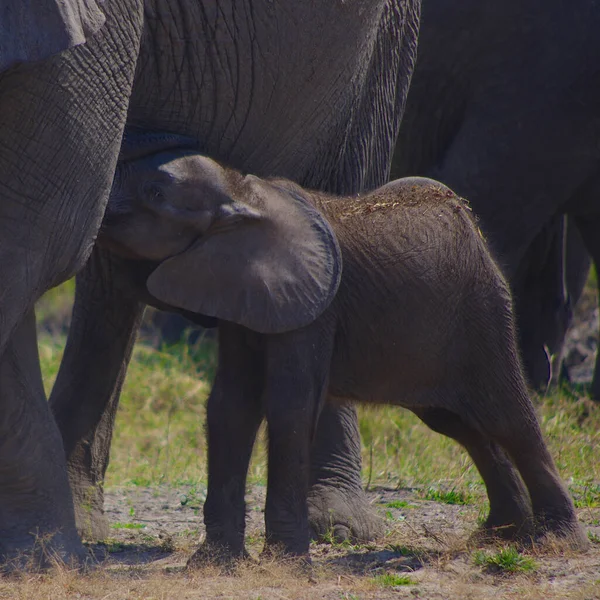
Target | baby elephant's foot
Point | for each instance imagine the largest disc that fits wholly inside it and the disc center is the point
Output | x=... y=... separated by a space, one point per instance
x=566 y=533
x=493 y=533
x=512 y=521
x=338 y=515
x=213 y=554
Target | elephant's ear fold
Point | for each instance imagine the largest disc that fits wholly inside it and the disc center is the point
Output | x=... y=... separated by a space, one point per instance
x=32 y=30
x=270 y=263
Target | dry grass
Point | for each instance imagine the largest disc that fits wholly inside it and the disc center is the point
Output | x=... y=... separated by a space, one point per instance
x=258 y=583
x=426 y=568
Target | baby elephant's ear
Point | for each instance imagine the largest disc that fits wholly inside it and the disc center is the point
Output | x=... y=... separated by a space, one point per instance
x=270 y=263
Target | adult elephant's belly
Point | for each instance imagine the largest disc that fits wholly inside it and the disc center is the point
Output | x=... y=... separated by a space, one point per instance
x=268 y=87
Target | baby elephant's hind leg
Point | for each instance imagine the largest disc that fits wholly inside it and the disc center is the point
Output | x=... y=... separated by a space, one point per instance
x=520 y=435
x=494 y=401
x=500 y=409
x=510 y=508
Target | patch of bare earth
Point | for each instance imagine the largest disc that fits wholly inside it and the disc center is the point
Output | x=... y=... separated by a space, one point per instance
x=155 y=531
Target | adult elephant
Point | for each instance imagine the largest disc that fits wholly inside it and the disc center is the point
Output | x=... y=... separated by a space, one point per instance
x=312 y=92
x=66 y=71
x=505 y=109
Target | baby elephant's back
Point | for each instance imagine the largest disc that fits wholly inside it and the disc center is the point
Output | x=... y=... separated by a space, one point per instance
x=416 y=270
x=414 y=228
x=430 y=226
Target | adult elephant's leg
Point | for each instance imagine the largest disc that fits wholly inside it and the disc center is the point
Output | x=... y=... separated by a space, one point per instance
x=578 y=262
x=575 y=271
x=85 y=397
x=494 y=401
x=34 y=498
x=61 y=123
x=336 y=501
x=541 y=303
x=589 y=227
x=547 y=285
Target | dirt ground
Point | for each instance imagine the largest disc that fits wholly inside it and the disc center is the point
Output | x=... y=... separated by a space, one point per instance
x=156 y=530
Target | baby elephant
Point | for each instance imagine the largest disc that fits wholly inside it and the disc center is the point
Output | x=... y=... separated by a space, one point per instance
x=390 y=297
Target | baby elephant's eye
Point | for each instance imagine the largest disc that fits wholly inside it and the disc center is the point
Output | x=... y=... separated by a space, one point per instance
x=152 y=191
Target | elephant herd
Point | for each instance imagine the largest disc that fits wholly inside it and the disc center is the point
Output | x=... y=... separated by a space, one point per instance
x=230 y=162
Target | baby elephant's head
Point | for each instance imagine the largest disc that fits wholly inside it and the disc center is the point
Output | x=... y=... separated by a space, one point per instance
x=161 y=204
x=230 y=246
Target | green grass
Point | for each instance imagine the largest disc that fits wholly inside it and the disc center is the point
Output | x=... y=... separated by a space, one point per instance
x=595 y=539
x=586 y=494
x=388 y=580
x=402 y=549
x=398 y=504
x=114 y=546
x=53 y=310
x=593 y=278
x=507 y=560
x=452 y=496
x=127 y=526
x=194 y=497
x=159 y=434
x=400 y=451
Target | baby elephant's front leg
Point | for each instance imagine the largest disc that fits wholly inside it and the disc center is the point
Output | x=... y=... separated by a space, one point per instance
x=234 y=413
x=297 y=369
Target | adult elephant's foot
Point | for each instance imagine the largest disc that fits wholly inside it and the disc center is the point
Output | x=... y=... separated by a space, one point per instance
x=88 y=499
x=337 y=504
x=339 y=515
x=37 y=523
x=42 y=550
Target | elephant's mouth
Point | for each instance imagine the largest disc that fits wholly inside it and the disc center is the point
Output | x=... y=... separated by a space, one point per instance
x=115 y=246
x=111 y=232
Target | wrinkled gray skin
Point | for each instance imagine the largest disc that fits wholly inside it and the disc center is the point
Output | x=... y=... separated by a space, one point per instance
x=61 y=122
x=390 y=298
x=504 y=108
x=274 y=88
